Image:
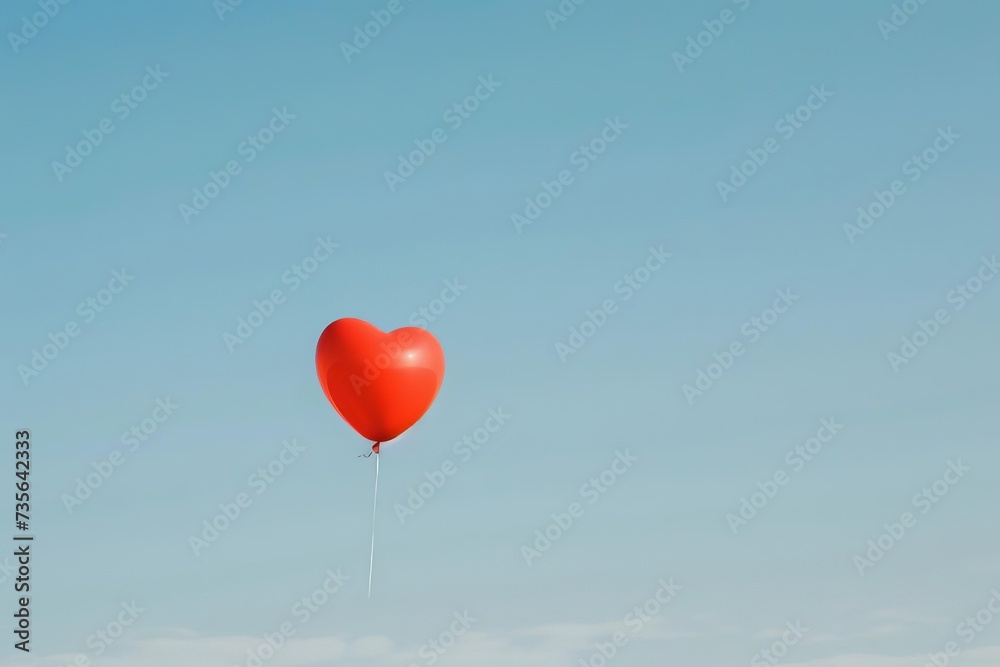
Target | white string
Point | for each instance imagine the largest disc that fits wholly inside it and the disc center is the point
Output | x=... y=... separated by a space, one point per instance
x=371 y=564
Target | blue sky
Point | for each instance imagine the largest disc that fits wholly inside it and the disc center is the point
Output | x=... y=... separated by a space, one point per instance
x=223 y=78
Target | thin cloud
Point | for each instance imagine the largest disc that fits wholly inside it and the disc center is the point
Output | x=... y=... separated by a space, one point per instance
x=548 y=646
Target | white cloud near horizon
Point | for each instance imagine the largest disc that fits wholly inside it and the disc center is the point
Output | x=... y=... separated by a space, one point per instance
x=544 y=646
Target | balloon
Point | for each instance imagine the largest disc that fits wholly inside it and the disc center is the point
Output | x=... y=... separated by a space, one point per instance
x=380 y=383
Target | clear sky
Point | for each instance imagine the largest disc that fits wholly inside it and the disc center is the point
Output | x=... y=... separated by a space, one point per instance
x=642 y=222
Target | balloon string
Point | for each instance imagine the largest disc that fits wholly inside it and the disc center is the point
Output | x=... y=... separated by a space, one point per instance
x=371 y=563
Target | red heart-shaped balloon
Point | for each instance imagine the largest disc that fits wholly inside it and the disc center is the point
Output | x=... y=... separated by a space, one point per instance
x=380 y=383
